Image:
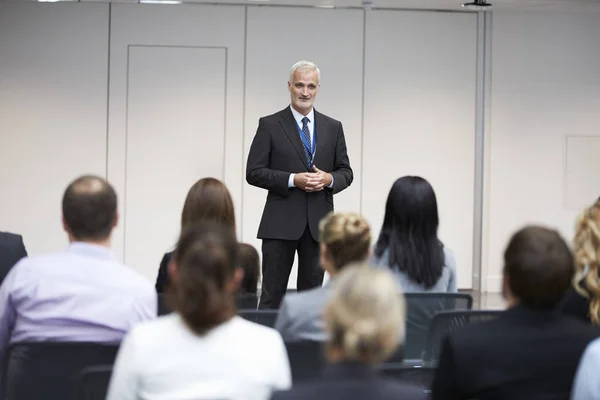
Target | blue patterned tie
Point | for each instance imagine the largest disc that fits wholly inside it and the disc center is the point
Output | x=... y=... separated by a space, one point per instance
x=306 y=133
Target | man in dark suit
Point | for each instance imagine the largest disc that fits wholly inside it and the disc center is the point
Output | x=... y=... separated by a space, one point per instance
x=299 y=155
x=12 y=249
x=531 y=351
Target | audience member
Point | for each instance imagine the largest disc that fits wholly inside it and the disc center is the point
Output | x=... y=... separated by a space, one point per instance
x=202 y=350
x=247 y=297
x=82 y=293
x=583 y=298
x=12 y=250
x=207 y=200
x=408 y=243
x=531 y=351
x=587 y=384
x=344 y=238
x=365 y=325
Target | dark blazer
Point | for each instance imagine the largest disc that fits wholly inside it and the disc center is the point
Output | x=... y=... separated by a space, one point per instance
x=523 y=354
x=12 y=249
x=576 y=305
x=276 y=152
x=351 y=381
x=162 y=279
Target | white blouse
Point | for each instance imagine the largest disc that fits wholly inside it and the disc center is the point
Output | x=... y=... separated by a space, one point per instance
x=163 y=359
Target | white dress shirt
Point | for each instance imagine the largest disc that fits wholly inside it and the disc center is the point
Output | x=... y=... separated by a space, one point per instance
x=311 y=128
x=163 y=359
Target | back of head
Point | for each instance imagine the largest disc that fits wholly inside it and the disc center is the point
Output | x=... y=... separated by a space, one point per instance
x=587 y=257
x=539 y=267
x=346 y=236
x=89 y=208
x=208 y=200
x=205 y=261
x=365 y=314
x=250 y=263
x=409 y=231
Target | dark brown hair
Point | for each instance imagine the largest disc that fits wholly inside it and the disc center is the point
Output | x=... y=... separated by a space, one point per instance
x=89 y=208
x=250 y=263
x=205 y=258
x=539 y=266
x=208 y=200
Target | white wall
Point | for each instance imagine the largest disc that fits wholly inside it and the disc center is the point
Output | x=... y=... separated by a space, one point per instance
x=179 y=94
x=545 y=87
x=53 y=99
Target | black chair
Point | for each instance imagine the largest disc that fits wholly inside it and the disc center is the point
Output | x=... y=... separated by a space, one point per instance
x=417 y=375
x=306 y=359
x=246 y=301
x=420 y=310
x=448 y=322
x=93 y=382
x=262 y=317
x=50 y=370
x=163 y=307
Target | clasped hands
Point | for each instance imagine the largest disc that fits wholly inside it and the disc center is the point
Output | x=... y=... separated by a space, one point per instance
x=313 y=181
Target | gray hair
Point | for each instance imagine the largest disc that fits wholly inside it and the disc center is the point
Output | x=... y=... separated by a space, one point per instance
x=302 y=65
x=365 y=316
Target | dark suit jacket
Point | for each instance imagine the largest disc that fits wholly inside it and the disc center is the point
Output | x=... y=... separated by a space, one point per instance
x=522 y=355
x=575 y=305
x=12 y=250
x=277 y=151
x=162 y=280
x=351 y=381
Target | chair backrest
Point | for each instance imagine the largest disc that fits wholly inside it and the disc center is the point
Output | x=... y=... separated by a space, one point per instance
x=420 y=310
x=452 y=321
x=50 y=370
x=93 y=382
x=247 y=301
x=262 y=317
x=416 y=375
x=306 y=359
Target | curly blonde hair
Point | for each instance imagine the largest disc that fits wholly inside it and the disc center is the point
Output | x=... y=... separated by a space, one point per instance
x=587 y=257
x=347 y=237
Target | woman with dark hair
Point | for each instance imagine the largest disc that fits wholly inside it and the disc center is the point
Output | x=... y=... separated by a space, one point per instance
x=203 y=350
x=408 y=243
x=207 y=200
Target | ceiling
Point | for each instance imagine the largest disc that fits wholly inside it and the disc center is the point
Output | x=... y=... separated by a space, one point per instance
x=449 y=5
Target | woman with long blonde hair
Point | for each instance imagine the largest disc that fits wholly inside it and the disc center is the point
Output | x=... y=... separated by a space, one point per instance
x=583 y=299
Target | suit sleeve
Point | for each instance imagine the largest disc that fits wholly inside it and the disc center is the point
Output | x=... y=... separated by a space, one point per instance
x=445 y=385
x=282 y=323
x=258 y=171
x=22 y=249
x=342 y=172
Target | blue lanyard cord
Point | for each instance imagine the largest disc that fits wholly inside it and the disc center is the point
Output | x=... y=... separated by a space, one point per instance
x=305 y=141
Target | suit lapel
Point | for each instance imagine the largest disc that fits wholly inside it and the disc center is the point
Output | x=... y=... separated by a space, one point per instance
x=288 y=123
x=321 y=135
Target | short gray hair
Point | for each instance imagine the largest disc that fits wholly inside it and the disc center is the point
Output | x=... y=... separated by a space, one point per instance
x=305 y=65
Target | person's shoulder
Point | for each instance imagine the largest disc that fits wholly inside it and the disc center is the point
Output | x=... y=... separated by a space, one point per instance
x=258 y=332
x=326 y=118
x=300 y=299
x=155 y=331
x=9 y=238
x=276 y=115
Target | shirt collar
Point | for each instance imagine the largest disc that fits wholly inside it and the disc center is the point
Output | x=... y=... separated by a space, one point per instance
x=91 y=250
x=298 y=117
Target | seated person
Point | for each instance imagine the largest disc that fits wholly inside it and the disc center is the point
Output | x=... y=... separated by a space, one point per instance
x=12 y=250
x=247 y=297
x=530 y=351
x=365 y=323
x=408 y=243
x=583 y=298
x=81 y=294
x=587 y=384
x=344 y=238
x=207 y=200
x=202 y=350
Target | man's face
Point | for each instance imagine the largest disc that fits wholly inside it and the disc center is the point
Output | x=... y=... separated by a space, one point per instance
x=303 y=90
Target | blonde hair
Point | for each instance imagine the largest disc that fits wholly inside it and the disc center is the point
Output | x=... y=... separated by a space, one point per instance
x=303 y=65
x=587 y=256
x=347 y=237
x=365 y=316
